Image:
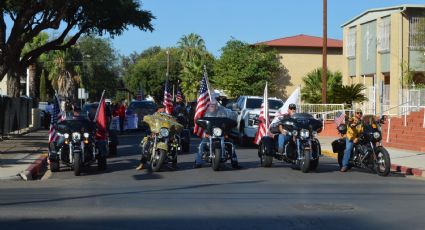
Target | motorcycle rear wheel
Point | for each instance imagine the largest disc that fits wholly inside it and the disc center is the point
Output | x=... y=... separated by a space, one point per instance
x=217 y=158
x=382 y=162
x=54 y=165
x=157 y=160
x=266 y=161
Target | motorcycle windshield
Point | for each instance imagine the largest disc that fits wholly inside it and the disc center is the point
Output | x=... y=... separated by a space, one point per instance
x=302 y=121
x=69 y=126
x=226 y=124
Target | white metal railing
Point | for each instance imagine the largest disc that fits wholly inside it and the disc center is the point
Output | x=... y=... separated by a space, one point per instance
x=324 y=111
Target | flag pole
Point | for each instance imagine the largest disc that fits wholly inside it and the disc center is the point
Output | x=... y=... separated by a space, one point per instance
x=98 y=107
x=208 y=82
x=266 y=109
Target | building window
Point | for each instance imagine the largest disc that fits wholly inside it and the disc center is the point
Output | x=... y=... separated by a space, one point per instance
x=417 y=32
x=384 y=26
x=351 y=43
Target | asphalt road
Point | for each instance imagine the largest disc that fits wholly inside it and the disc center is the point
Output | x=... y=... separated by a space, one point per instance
x=250 y=198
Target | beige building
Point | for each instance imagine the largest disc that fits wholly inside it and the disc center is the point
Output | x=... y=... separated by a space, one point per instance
x=302 y=54
x=380 y=45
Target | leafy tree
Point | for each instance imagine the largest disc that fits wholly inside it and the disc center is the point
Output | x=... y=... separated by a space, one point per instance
x=149 y=72
x=36 y=42
x=64 y=71
x=99 y=66
x=43 y=92
x=244 y=69
x=193 y=56
x=350 y=94
x=30 y=17
x=312 y=90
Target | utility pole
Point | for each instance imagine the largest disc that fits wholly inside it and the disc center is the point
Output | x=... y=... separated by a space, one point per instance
x=325 y=51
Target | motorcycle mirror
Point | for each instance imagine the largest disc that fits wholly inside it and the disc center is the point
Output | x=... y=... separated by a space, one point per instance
x=235 y=107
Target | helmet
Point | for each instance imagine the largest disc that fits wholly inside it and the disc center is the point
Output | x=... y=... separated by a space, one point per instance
x=292 y=106
x=342 y=129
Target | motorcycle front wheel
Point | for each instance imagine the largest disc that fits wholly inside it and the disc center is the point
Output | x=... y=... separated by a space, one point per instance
x=157 y=160
x=77 y=164
x=266 y=161
x=216 y=160
x=382 y=162
x=305 y=162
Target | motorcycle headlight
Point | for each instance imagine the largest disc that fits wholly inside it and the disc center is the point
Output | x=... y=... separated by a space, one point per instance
x=66 y=135
x=164 y=132
x=86 y=135
x=76 y=136
x=314 y=133
x=376 y=135
x=217 y=132
x=304 y=133
x=295 y=133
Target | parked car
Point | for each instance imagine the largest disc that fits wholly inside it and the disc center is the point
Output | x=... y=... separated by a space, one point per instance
x=45 y=115
x=141 y=108
x=248 y=109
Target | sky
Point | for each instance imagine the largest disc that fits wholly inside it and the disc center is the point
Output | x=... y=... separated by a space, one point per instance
x=251 y=21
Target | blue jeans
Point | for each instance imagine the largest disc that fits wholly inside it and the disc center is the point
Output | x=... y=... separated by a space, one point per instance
x=349 y=145
x=281 y=139
x=198 y=156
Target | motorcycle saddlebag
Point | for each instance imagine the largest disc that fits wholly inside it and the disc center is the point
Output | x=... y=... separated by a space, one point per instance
x=338 y=145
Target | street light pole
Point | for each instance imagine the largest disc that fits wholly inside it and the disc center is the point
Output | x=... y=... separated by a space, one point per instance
x=324 y=52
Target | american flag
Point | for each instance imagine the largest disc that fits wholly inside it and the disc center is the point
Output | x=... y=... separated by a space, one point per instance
x=264 y=119
x=168 y=99
x=339 y=118
x=56 y=116
x=202 y=104
x=179 y=94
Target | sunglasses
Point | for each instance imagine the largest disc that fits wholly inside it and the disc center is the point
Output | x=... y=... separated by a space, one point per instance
x=292 y=109
x=359 y=113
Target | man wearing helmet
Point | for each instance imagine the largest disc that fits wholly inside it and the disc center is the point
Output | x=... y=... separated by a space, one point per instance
x=283 y=136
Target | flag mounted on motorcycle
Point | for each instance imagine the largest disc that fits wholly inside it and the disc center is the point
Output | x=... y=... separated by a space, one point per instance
x=168 y=98
x=263 y=126
x=56 y=117
x=100 y=118
x=204 y=99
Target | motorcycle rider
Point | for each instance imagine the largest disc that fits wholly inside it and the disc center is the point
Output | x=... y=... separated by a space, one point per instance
x=354 y=129
x=143 y=158
x=283 y=135
x=214 y=111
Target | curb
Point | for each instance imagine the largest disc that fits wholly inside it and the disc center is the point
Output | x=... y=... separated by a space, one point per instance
x=394 y=167
x=35 y=169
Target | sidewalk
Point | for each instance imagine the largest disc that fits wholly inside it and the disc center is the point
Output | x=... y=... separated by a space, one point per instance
x=404 y=161
x=24 y=156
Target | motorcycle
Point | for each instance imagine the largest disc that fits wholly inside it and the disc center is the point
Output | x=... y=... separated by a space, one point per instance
x=303 y=149
x=163 y=145
x=217 y=150
x=368 y=152
x=77 y=147
x=185 y=133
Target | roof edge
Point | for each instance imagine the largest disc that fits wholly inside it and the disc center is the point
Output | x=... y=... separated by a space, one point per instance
x=400 y=7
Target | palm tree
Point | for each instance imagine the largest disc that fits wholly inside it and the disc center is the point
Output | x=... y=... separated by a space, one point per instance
x=350 y=94
x=312 y=90
x=193 y=55
x=64 y=68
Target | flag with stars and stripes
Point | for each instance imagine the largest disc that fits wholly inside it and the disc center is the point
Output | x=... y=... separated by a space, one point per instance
x=202 y=104
x=56 y=117
x=168 y=98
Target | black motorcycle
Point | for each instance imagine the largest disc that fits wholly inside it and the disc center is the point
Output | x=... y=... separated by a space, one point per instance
x=368 y=152
x=303 y=149
x=76 y=146
x=218 y=150
x=185 y=132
